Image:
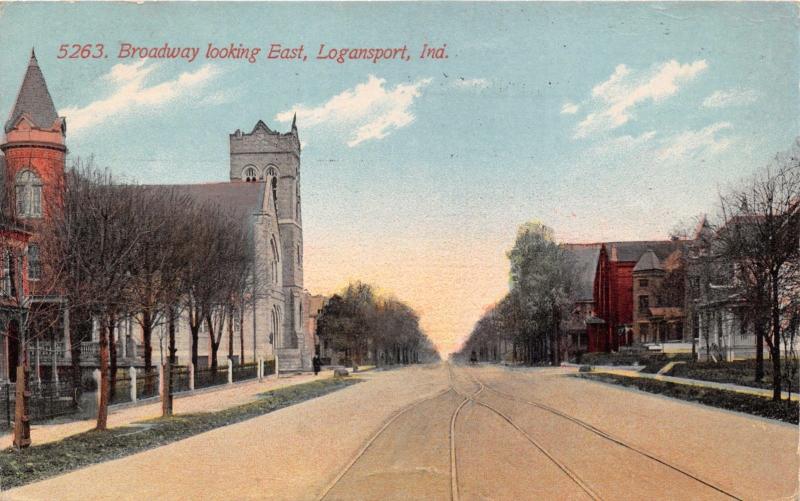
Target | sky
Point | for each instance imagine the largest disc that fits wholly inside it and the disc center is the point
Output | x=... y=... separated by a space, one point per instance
x=604 y=121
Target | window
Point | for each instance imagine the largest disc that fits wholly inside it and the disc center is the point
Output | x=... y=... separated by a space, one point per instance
x=28 y=191
x=275 y=192
x=644 y=283
x=34 y=265
x=249 y=174
x=644 y=304
x=6 y=279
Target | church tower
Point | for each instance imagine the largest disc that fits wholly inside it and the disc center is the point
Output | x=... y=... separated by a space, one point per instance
x=273 y=158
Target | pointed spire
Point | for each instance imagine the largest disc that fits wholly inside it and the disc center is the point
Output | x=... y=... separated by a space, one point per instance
x=33 y=99
x=294 y=121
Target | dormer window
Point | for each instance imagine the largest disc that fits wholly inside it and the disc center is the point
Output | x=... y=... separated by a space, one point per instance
x=28 y=194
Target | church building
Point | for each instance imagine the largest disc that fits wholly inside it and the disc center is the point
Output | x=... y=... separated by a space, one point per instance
x=263 y=188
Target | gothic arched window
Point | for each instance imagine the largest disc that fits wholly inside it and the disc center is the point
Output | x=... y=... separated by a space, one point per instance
x=249 y=174
x=275 y=192
x=29 y=194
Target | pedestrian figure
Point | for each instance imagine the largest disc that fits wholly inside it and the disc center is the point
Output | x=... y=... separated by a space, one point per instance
x=317 y=364
x=473 y=358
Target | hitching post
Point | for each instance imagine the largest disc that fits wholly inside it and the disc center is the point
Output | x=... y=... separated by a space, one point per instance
x=230 y=372
x=191 y=376
x=132 y=374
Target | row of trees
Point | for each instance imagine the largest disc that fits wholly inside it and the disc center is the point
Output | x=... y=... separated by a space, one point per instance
x=114 y=250
x=366 y=326
x=528 y=320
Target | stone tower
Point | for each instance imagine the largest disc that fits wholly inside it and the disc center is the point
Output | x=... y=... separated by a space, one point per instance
x=272 y=157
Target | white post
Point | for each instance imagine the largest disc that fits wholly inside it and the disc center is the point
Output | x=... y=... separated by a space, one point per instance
x=161 y=382
x=277 y=371
x=96 y=377
x=260 y=370
x=132 y=373
x=191 y=376
x=230 y=372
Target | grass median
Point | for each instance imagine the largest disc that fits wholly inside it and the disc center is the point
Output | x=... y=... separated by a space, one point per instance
x=84 y=449
x=749 y=404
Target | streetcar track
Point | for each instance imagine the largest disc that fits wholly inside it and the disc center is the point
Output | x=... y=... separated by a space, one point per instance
x=609 y=437
x=375 y=436
x=392 y=419
x=563 y=467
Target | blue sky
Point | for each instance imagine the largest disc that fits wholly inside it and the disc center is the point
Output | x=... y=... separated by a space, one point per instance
x=605 y=121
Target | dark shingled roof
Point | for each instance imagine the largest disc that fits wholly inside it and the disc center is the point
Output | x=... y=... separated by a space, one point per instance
x=648 y=262
x=33 y=99
x=242 y=198
x=584 y=257
x=633 y=251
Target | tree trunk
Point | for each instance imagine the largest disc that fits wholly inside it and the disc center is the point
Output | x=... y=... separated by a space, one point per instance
x=241 y=335
x=112 y=352
x=166 y=401
x=171 y=332
x=759 y=326
x=230 y=336
x=776 y=336
x=102 y=408
x=147 y=339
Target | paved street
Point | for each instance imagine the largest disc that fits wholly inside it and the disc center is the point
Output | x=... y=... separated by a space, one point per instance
x=462 y=433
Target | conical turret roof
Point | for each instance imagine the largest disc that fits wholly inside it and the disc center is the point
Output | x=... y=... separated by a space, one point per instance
x=648 y=262
x=33 y=100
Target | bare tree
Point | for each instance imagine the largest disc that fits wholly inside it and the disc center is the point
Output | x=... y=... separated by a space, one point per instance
x=94 y=242
x=758 y=238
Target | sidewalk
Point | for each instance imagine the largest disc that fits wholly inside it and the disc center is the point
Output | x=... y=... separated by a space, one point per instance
x=760 y=392
x=205 y=400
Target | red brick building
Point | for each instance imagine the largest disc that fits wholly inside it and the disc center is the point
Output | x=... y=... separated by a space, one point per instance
x=32 y=165
x=612 y=323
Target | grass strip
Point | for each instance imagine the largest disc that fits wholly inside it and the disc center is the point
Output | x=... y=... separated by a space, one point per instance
x=84 y=449
x=723 y=399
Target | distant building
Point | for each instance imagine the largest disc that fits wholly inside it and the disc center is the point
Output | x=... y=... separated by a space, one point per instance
x=614 y=290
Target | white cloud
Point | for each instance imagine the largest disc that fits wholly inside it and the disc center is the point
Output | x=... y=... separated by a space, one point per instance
x=613 y=101
x=732 y=97
x=130 y=94
x=569 y=108
x=369 y=110
x=471 y=83
x=707 y=141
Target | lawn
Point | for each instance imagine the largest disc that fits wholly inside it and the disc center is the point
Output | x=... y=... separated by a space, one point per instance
x=750 y=404
x=47 y=460
x=741 y=372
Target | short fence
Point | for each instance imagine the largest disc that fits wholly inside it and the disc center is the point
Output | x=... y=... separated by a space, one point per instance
x=245 y=371
x=48 y=400
x=147 y=383
x=181 y=379
x=121 y=391
x=203 y=378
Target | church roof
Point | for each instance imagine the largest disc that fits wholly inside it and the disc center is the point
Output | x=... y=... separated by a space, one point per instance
x=245 y=199
x=584 y=257
x=648 y=262
x=33 y=100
